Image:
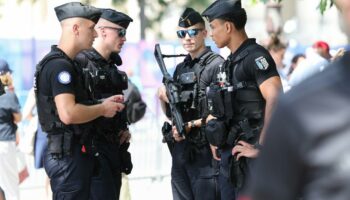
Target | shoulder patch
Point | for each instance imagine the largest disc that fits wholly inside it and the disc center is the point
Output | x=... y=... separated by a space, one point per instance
x=262 y=63
x=64 y=77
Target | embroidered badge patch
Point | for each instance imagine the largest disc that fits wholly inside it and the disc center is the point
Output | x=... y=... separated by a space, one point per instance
x=64 y=77
x=262 y=63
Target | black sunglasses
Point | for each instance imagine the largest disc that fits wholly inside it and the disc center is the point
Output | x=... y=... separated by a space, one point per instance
x=191 y=32
x=121 y=31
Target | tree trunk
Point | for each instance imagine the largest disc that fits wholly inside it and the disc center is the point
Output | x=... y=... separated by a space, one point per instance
x=143 y=19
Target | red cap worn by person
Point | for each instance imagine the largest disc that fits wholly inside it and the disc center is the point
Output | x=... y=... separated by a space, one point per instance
x=322 y=49
x=321 y=44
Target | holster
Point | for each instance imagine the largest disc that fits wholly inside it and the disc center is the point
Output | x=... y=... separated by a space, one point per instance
x=237 y=171
x=126 y=163
x=168 y=136
x=60 y=144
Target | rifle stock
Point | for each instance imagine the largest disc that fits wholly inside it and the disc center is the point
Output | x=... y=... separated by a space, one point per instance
x=172 y=92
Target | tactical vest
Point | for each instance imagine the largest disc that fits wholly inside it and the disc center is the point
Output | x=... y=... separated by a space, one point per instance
x=192 y=106
x=47 y=110
x=104 y=80
x=246 y=113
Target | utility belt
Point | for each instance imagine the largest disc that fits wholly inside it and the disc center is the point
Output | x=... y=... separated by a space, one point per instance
x=226 y=136
x=60 y=143
x=199 y=140
x=194 y=144
x=221 y=134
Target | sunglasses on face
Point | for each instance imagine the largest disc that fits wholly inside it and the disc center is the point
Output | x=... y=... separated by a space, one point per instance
x=121 y=31
x=191 y=32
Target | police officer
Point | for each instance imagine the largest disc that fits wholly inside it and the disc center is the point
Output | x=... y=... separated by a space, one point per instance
x=105 y=80
x=193 y=176
x=310 y=132
x=242 y=99
x=62 y=104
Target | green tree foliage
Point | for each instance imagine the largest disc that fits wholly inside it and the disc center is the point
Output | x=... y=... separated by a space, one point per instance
x=161 y=8
x=324 y=4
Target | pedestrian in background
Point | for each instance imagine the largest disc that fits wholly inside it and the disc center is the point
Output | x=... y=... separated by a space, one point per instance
x=10 y=115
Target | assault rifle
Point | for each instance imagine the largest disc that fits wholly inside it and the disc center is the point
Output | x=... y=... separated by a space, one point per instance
x=171 y=90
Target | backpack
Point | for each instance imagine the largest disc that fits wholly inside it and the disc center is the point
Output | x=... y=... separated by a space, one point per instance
x=136 y=107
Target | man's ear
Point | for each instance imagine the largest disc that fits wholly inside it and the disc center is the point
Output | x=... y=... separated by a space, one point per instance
x=103 y=33
x=205 y=32
x=228 y=26
x=75 y=29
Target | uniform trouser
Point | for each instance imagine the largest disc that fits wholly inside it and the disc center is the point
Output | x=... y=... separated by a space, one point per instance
x=9 y=180
x=227 y=190
x=70 y=176
x=106 y=182
x=196 y=180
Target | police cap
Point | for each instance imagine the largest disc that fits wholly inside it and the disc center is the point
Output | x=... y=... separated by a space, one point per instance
x=116 y=17
x=76 y=9
x=222 y=9
x=189 y=18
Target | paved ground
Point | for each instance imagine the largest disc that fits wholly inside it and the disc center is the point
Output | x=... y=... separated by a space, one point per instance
x=151 y=159
x=140 y=189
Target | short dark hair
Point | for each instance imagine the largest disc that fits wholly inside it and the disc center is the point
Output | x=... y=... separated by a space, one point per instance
x=297 y=56
x=202 y=24
x=238 y=18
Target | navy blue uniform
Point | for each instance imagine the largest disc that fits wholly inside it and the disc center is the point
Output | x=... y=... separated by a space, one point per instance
x=69 y=171
x=106 y=182
x=194 y=172
x=250 y=64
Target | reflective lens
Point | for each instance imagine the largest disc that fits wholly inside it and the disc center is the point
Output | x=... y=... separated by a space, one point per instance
x=191 y=32
x=121 y=31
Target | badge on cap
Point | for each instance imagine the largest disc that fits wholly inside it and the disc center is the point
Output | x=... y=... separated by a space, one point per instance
x=64 y=77
x=262 y=63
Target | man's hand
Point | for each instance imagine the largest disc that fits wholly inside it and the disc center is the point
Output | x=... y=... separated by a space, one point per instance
x=118 y=98
x=214 y=152
x=244 y=149
x=161 y=93
x=210 y=117
x=176 y=135
x=111 y=105
x=124 y=136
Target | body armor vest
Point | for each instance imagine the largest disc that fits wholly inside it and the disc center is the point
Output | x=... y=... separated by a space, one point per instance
x=192 y=100
x=247 y=104
x=104 y=80
x=237 y=105
x=47 y=111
